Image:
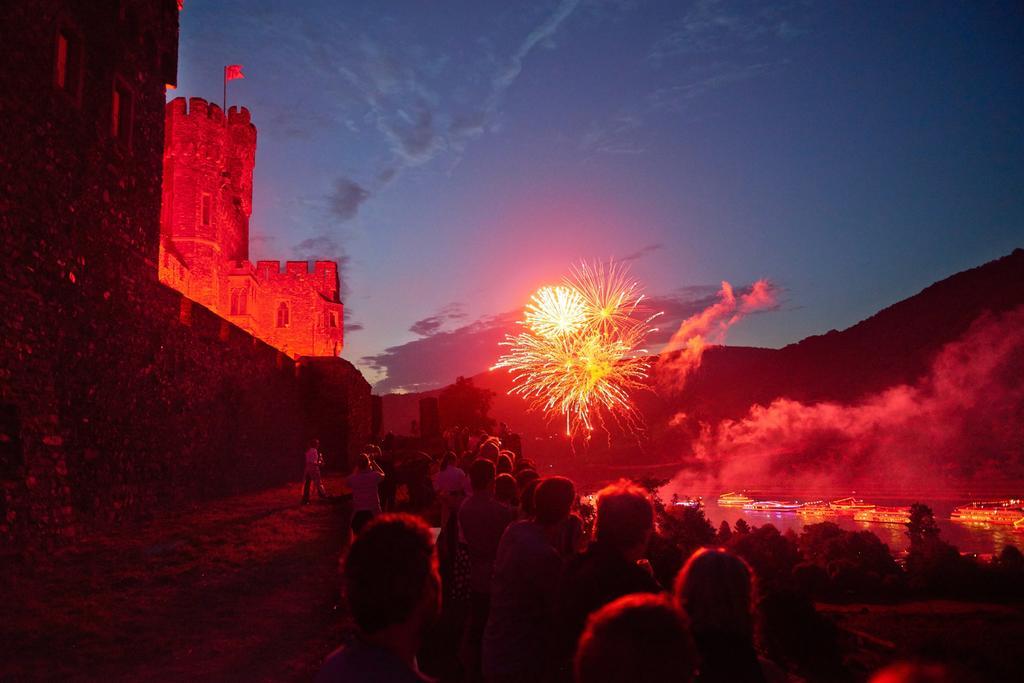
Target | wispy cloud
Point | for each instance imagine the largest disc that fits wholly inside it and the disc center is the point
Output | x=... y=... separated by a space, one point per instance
x=346 y=199
x=643 y=251
x=435 y=360
x=727 y=27
x=432 y=324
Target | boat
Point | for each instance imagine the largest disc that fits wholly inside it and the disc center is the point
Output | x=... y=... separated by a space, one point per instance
x=1009 y=511
x=884 y=515
x=817 y=508
x=850 y=505
x=734 y=500
x=772 y=506
x=687 y=502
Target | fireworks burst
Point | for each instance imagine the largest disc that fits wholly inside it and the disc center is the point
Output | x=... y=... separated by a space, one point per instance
x=580 y=354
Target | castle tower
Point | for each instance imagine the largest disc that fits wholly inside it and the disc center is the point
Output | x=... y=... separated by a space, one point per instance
x=207 y=193
x=204 y=237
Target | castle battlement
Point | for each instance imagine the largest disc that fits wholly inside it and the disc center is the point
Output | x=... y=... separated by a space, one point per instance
x=208 y=184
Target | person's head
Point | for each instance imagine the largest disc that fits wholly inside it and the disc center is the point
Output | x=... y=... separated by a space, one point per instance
x=481 y=474
x=505 y=489
x=504 y=464
x=715 y=590
x=553 y=499
x=362 y=462
x=527 y=498
x=490 y=450
x=638 y=638
x=625 y=518
x=524 y=477
x=372 y=450
x=314 y=443
x=448 y=459
x=390 y=575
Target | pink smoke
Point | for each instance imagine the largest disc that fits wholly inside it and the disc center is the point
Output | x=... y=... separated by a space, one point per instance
x=962 y=423
x=682 y=355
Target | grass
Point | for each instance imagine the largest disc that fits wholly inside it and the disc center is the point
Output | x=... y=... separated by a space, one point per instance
x=242 y=588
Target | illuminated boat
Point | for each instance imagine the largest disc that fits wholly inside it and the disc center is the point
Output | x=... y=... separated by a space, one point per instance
x=734 y=500
x=1006 y=512
x=850 y=505
x=884 y=515
x=773 y=506
x=687 y=502
x=817 y=508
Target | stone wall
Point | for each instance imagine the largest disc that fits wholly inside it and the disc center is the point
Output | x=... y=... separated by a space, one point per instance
x=118 y=397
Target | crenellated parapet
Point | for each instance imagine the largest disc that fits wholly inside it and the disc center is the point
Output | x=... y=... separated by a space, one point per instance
x=208 y=186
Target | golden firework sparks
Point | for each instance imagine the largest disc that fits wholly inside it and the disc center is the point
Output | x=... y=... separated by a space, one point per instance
x=555 y=311
x=580 y=355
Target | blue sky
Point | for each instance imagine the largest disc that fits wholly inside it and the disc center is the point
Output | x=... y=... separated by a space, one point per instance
x=457 y=155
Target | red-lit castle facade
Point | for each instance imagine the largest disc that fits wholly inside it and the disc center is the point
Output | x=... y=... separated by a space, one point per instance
x=204 y=237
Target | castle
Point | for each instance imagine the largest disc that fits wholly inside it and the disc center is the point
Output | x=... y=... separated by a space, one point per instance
x=128 y=387
x=204 y=237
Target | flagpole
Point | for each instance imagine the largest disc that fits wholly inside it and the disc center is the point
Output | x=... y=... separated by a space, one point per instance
x=225 y=91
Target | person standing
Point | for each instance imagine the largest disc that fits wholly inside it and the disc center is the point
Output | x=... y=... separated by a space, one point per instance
x=314 y=458
x=482 y=521
x=365 y=485
x=518 y=638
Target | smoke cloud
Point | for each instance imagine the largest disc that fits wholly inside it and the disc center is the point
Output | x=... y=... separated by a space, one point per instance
x=682 y=355
x=961 y=425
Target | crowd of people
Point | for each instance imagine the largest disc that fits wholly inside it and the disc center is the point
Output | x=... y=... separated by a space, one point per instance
x=515 y=587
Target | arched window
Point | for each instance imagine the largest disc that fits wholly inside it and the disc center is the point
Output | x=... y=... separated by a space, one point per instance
x=332 y=319
x=282 y=315
x=234 y=302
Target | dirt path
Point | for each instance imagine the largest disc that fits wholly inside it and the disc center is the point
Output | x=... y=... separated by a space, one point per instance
x=243 y=588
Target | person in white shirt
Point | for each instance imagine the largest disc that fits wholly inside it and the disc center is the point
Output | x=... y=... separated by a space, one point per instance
x=313 y=461
x=365 y=484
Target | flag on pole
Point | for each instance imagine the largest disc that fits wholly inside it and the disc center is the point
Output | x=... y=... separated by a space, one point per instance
x=233 y=71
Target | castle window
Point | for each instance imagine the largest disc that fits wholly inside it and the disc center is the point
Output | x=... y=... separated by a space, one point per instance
x=121 y=113
x=67 y=68
x=332 y=319
x=207 y=209
x=282 y=315
x=239 y=298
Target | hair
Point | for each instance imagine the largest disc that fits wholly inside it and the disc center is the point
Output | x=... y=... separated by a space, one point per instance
x=638 y=638
x=371 y=450
x=313 y=442
x=362 y=461
x=505 y=489
x=625 y=516
x=503 y=464
x=553 y=498
x=716 y=591
x=490 y=449
x=527 y=498
x=524 y=477
x=446 y=460
x=481 y=474
x=388 y=570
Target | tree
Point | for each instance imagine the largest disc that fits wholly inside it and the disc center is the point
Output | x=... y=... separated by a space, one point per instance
x=741 y=527
x=922 y=525
x=465 y=405
x=682 y=530
x=724 y=532
x=771 y=554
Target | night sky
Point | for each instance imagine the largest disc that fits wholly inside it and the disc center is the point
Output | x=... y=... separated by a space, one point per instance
x=454 y=156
